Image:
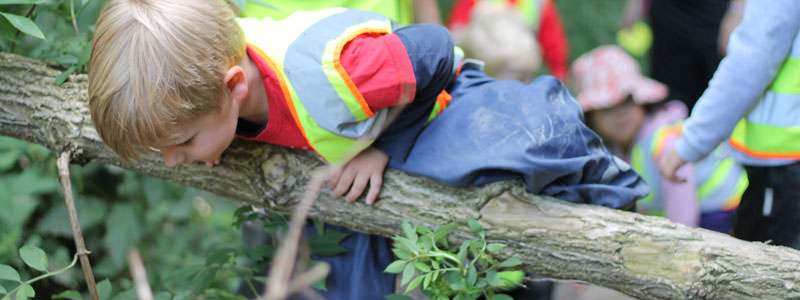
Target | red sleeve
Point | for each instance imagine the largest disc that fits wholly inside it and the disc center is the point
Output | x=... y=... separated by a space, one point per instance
x=553 y=40
x=381 y=69
x=460 y=14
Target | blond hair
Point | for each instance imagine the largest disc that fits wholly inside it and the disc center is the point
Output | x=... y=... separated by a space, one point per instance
x=498 y=35
x=158 y=63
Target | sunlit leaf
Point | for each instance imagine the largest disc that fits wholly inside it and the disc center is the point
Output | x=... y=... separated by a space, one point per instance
x=24 y=24
x=34 y=257
x=408 y=273
x=395 y=267
x=414 y=283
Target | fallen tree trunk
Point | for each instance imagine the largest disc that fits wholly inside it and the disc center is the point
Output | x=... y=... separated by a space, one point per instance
x=645 y=257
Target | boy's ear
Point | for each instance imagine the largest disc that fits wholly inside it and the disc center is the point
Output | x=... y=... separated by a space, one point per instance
x=236 y=82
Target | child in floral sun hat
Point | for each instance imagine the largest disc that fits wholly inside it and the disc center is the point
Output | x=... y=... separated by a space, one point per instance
x=627 y=110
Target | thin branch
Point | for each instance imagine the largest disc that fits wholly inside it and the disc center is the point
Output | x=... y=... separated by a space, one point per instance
x=63 y=173
x=139 y=275
x=278 y=284
x=72 y=14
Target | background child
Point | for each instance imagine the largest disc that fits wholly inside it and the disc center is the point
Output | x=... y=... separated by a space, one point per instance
x=498 y=35
x=349 y=86
x=623 y=107
x=492 y=38
x=752 y=102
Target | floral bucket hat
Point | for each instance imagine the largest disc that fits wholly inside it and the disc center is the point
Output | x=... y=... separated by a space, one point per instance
x=606 y=76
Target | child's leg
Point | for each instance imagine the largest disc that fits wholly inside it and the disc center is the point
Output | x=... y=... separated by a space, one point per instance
x=770 y=209
x=496 y=130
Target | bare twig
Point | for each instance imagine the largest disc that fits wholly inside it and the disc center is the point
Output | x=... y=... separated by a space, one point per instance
x=278 y=284
x=139 y=275
x=72 y=14
x=63 y=173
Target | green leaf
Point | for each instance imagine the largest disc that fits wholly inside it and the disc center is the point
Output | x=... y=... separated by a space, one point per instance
x=397 y=297
x=462 y=251
x=104 y=289
x=511 y=262
x=328 y=243
x=69 y=294
x=472 y=275
x=511 y=278
x=493 y=247
x=61 y=78
x=91 y=211
x=401 y=253
x=203 y=280
x=408 y=273
x=474 y=226
x=493 y=280
x=455 y=280
x=427 y=281
x=3 y=290
x=414 y=283
x=395 y=267
x=501 y=297
x=5 y=2
x=405 y=244
x=123 y=230
x=409 y=231
x=422 y=266
x=24 y=24
x=25 y=292
x=8 y=273
x=34 y=257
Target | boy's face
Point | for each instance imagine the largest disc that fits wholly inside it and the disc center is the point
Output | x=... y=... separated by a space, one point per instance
x=202 y=139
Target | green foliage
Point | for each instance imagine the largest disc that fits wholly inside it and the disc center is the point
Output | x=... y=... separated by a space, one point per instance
x=35 y=258
x=443 y=271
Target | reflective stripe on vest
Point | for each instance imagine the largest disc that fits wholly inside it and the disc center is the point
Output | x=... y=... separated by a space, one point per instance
x=325 y=103
x=305 y=51
x=400 y=11
x=531 y=10
x=772 y=129
x=720 y=180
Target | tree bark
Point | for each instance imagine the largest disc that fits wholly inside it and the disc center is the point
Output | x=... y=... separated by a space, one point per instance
x=644 y=257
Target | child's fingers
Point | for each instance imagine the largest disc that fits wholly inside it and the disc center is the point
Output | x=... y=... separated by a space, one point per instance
x=333 y=177
x=345 y=180
x=375 y=182
x=357 y=189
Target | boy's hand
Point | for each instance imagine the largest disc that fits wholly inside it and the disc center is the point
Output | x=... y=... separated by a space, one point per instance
x=669 y=165
x=367 y=166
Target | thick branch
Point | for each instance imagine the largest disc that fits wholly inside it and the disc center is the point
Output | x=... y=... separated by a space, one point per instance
x=645 y=257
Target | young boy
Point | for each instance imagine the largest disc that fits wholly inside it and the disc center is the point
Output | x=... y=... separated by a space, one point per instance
x=346 y=84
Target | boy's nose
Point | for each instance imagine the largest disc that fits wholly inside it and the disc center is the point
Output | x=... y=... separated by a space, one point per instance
x=173 y=158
